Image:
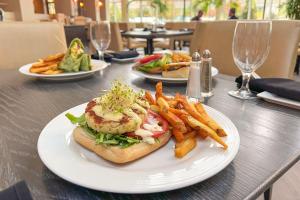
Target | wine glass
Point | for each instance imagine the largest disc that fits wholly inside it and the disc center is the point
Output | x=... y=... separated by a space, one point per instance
x=250 y=48
x=100 y=36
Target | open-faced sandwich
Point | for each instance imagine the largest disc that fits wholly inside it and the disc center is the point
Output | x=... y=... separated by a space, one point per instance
x=119 y=126
x=175 y=65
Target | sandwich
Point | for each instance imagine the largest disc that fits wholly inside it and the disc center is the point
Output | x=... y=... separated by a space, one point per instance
x=119 y=126
x=175 y=65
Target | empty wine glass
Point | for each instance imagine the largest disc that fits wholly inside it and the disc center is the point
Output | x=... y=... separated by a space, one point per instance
x=250 y=48
x=100 y=36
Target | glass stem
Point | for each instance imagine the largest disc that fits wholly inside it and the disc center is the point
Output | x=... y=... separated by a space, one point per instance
x=101 y=55
x=245 y=83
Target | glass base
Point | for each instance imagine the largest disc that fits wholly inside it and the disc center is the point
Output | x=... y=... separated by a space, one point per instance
x=242 y=94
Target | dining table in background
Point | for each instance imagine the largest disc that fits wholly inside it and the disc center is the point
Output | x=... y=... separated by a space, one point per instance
x=150 y=36
x=269 y=134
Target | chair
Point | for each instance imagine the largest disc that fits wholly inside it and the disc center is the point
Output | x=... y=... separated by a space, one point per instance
x=131 y=43
x=25 y=42
x=179 y=26
x=80 y=20
x=217 y=36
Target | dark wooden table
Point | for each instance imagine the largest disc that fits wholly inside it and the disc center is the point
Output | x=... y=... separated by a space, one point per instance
x=270 y=136
x=149 y=36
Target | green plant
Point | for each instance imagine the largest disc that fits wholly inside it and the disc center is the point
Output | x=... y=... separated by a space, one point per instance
x=162 y=6
x=293 y=9
x=204 y=4
x=253 y=10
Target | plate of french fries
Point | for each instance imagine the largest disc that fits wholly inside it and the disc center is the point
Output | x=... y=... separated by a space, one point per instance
x=48 y=68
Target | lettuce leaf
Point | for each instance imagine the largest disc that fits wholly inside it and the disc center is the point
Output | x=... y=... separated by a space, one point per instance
x=157 y=63
x=108 y=139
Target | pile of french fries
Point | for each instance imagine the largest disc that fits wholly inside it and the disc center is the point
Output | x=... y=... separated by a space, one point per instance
x=188 y=120
x=180 y=57
x=48 y=65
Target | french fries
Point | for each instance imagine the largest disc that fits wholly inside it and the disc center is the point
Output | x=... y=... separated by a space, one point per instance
x=188 y=120
x=211 y=123
x=198 y=125
x=163 y=104
x=149 y=98
x=175 y=121
x=178 y=135
x=184 y=147
x=48 y=65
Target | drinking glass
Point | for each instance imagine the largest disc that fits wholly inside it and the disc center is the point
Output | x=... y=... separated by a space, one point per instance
x=100 y=36
x=250 y=48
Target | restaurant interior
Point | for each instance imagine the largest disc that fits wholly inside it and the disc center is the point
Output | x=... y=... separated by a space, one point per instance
x=187 y=99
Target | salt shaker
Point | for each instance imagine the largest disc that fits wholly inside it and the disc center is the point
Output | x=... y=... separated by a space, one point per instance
x=205 y=74
x=193 y=90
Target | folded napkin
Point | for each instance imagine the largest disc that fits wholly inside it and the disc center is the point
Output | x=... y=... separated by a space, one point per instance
x=282 y=87
x=107 y=56
x=19 y=191
x=125 y=54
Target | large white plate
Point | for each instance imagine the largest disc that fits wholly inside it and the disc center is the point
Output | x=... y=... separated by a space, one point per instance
x=159 y=171
x=97 y=65
x=273 y=98
x=159 y=77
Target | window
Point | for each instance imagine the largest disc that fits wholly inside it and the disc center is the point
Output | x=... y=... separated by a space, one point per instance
x=51 y=7
x=115 y=10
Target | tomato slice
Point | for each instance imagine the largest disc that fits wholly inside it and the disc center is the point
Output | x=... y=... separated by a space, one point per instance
x=161 y=122
x=150 y=58
x=152 y=118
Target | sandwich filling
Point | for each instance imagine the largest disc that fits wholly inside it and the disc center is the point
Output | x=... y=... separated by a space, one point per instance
x=121 y=117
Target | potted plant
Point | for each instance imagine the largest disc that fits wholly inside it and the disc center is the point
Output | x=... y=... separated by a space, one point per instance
x=293 y=9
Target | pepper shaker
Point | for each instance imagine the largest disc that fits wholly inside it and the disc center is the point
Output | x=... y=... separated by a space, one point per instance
x=193 y=91
x=205 y=74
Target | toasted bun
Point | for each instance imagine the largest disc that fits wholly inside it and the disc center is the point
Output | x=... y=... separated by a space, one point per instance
x=178 y=73
x=116 y=154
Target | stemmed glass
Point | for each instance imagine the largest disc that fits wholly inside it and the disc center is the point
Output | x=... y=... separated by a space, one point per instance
x=100 y=36
x=250 y=48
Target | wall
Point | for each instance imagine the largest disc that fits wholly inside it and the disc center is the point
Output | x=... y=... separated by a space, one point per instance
x=64 y=6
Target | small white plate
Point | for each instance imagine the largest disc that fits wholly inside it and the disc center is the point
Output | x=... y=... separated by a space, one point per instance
x=273 y=98
x=97 y=65
x=157 y=172
x=159 y=77
x=126 y=60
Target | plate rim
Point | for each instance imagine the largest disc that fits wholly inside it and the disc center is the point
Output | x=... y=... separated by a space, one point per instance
x=165 y=79
x=25 y=71
x=183 y=183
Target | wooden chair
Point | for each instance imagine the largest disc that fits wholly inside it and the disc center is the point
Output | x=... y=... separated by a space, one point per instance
x=25 y=42
x=179 y=26
x=217 y=36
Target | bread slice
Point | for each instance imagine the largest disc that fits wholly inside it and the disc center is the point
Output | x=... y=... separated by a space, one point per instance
x=116 y=154
x=179 y=73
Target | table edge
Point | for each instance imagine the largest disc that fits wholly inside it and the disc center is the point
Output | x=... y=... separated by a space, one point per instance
x=274 y=177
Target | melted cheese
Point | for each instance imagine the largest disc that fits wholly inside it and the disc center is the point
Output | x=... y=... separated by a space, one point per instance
x=139 y=108
x=110 y=116
x=152 y=127
x=146 y=135
x=143 y=133
x=134 y=116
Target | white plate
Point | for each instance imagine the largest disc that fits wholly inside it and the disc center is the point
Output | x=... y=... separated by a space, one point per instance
x=158 y=171
x=126 y=60
x=159 y=77
x=273 y=98
x=97 y=65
